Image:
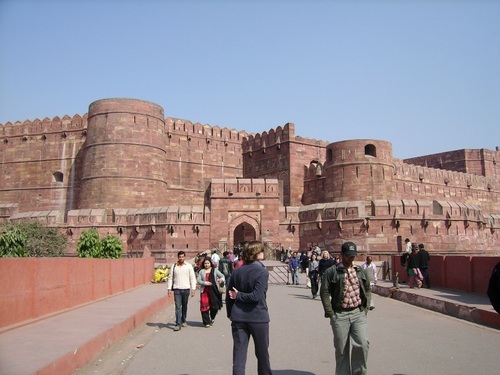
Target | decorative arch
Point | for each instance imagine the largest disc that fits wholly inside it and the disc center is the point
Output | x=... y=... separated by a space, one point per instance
x=243 y=228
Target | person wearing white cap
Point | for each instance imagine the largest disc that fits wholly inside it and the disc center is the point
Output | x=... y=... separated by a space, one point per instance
x=346 y=295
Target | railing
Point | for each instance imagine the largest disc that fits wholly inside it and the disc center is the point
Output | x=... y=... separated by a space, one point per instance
x=279 y=274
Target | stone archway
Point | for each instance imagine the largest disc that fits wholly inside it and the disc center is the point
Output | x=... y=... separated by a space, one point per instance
x=244 y=232
x=243 y=228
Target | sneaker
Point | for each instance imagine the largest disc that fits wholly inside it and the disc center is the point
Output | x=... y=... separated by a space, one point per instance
x=184 y=324
x=207 y=326
x=177 y=328
x=371 y=307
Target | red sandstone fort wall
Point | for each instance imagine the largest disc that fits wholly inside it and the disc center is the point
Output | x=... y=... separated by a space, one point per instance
x=282 y=155
x=147 y=180
x=39 y=163
x=480 y=162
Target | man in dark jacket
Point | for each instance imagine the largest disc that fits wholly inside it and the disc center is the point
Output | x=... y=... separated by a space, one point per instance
x=424 y=258
x=345 y=294
x=247 y=309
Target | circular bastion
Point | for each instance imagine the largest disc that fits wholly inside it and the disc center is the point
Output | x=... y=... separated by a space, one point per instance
x=124 y=155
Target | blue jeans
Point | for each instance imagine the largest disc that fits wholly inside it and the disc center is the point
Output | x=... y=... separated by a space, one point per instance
x=350 y=338
x=295 y=276
x=181 y=298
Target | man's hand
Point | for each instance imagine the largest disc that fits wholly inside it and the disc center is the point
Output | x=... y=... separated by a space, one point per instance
x=192 y=292
x=168 y=292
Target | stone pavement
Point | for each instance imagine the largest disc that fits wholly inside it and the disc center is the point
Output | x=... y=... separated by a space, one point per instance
x=67 y=341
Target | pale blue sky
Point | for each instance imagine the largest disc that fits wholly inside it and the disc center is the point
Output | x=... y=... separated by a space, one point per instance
x=423 y=75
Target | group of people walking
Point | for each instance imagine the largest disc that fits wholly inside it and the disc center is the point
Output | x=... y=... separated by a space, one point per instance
x=245 y=295
x=345 y=295
x=416 y=260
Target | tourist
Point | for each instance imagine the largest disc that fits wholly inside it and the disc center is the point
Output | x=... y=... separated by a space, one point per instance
x=182 y=281
x=371 y=271
x=494 y=288
x=226 y=266
x=408 y=246
x=293 y=266
x=424 y=264
x=345 y=294
x=413 y=268
x=215 y=258
x=304 y=262
x=210 y=298
x=247 y=309
x=325 y=262
x=313 y=274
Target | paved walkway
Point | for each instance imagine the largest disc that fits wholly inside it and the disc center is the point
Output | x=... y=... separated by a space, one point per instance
x=65 y=342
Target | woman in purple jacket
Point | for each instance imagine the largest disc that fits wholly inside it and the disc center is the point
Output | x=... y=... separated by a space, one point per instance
x=247 y=309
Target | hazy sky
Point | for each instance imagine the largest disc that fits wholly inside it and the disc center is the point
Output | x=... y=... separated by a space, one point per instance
x=423 y=75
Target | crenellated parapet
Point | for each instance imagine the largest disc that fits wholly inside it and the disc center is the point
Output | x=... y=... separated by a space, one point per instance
x=186 y=129
x=40 y=129
x=442 y=182
x=481 y=162
x=271 y=138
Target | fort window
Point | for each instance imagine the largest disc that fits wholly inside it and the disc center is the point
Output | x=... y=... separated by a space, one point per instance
x=58 y=176
x=370 y=150
x=329 y=155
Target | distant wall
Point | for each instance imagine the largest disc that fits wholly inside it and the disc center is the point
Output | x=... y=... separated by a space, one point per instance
x=462 y=273
x=31 y=288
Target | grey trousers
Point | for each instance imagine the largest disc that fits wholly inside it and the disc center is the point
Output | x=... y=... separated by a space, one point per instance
x=350 y=339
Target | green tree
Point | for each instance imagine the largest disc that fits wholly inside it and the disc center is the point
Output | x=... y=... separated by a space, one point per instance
x=89 y=245
x=112 y=247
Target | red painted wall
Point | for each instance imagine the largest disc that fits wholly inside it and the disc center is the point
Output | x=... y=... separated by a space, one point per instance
x=466 y=274
x=31 y=288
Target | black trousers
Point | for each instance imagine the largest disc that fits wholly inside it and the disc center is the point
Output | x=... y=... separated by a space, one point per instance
x=241 y=335
x=208 y=316
x=425 y=274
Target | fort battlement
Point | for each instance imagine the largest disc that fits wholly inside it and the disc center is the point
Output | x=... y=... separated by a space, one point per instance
x=41 y=127
x=275 y=138
x=187 y=128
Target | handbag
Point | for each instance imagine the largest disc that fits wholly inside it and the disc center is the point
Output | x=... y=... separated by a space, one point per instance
x=221 y=287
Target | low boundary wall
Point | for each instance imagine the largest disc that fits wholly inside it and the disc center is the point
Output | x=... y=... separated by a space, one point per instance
x=462 y=273
x=33 y=288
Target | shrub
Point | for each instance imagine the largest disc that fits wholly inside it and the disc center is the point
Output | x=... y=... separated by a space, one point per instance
x=31 y=240
x=112 y=247
x=88 y=245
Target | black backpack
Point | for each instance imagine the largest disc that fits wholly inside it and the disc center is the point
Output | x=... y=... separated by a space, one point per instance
x=494 y=288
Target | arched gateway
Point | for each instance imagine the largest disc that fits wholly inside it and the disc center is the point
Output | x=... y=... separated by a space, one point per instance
x=243 y=228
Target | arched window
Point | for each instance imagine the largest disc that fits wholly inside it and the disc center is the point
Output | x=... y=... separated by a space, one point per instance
x=371 y=150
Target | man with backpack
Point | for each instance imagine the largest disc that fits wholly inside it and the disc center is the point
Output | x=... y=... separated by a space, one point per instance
x=226 y=266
